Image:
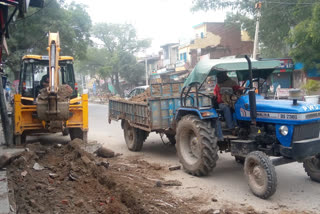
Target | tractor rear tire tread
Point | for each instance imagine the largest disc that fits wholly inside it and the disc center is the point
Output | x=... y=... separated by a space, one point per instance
x=209 y=146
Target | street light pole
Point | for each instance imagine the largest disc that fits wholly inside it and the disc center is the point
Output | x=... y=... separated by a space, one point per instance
x=256 y=36
x=147 y=76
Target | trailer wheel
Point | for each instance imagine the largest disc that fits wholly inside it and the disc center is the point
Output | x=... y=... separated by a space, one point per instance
x=196 y=145
x=261 y=174
x=134 y=137
x=239 y=159
x=171 y=138
x=78 y=133
x=312 y=167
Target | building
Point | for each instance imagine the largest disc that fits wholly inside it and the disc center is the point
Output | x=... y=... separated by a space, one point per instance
x=170 y=55
x=214 y=40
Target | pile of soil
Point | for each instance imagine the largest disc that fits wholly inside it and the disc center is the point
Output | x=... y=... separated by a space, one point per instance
x=67 y=179
x=141 y=97
x=64 y=93
x=167 y=89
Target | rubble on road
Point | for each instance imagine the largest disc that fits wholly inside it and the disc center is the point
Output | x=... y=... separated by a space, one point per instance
x=75 y=181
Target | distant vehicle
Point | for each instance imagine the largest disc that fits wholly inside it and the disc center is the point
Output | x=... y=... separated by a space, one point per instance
x=136 y=91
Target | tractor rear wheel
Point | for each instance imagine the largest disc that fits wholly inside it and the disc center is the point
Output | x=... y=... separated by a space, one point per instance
x=261 y=174
x=134 y=137
x=196 y=145
x=78 y=133
x=312 y=167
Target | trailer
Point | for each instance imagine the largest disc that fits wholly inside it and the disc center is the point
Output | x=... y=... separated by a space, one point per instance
x=157 y=114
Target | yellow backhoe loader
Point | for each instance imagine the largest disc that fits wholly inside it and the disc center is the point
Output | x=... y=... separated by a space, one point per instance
x=47 y=100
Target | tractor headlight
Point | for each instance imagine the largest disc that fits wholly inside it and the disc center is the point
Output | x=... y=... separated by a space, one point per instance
x=284 y=130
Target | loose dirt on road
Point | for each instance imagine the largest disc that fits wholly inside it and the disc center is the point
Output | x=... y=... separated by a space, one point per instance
x=67 y=179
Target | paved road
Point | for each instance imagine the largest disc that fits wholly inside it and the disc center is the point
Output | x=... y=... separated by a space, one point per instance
x=227 y=182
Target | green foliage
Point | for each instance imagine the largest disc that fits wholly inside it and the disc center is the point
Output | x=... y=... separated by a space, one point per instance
x=305 y=39
x=277 y=17
x=119 y=43
x=29 y=35
x=311 y=86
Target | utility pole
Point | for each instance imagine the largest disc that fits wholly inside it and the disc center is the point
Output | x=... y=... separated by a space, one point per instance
x=147 y=76
x=256 y=36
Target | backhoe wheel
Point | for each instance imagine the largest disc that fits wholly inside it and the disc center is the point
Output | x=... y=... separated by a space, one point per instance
x=196 y=145
x=78 y=133
x=261 y=174
x=65 y=132
x=312 y=167
x=134 y=137
x=171 y=139
x=19 y=139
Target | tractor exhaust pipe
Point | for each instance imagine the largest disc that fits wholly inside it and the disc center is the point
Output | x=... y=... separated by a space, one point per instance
x=252 y=95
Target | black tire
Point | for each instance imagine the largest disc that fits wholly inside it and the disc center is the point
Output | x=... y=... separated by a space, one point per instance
x=171 y=138
x=239 y=159
x=261 y=174
x=78 y=133
x=19 y=139
x=312 y=167
x=134 y=137
x=196 y=145
x=65 y=132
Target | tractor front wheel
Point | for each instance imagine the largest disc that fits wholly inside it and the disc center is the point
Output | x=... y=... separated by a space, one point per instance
x=78 y=133
x=196 y=145
x=312 y=167
x=261 y=174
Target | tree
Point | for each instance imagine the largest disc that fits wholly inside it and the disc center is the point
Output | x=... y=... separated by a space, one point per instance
x=277 y=19
x=121 y=43
x=305 y=39
x=29 y=35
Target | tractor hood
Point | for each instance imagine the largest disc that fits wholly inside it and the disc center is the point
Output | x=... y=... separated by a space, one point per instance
x=283 y=110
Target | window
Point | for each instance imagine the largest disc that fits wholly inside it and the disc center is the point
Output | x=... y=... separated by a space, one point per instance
x=202 y=35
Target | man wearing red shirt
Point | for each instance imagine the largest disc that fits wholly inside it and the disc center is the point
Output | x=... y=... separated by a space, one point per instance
x=224 y=81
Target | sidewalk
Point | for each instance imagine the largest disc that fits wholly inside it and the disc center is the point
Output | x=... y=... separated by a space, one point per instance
x=4 y=193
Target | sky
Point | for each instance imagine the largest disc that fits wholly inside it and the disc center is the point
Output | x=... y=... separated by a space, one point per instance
x=163 y=21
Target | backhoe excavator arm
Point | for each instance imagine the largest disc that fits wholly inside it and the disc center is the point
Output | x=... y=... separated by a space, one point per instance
x=54 y=53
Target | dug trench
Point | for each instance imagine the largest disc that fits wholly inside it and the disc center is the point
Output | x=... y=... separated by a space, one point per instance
x=68 y=179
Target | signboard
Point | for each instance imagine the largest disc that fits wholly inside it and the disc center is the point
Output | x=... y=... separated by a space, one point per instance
x=282 y=92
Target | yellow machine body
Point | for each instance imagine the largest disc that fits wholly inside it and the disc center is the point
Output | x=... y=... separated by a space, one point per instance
x=49 y=113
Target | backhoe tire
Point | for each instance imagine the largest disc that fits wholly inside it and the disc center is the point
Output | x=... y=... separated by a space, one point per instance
x=78 y=133
x=312 y=167
x=65 y=132
x=196 y=145
x=261 y=174
x=134 y=137
x=19 y=139
x=171 y=138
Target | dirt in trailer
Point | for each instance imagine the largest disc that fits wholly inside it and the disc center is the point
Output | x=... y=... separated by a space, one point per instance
x=68 y=179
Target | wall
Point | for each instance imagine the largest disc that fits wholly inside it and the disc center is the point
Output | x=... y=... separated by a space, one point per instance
x=200 y=29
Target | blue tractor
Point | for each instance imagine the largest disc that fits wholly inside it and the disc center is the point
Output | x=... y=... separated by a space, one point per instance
x=287 y=130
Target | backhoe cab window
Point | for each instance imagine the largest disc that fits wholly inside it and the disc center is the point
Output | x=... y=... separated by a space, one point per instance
x=34 y=70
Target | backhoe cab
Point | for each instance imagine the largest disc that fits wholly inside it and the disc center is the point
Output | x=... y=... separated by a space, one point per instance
x=47 y=96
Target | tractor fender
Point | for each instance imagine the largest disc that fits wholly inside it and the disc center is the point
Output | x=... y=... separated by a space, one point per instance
x=211 y=113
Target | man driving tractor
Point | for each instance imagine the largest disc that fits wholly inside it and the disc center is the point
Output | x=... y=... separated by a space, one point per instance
x=223 y=80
